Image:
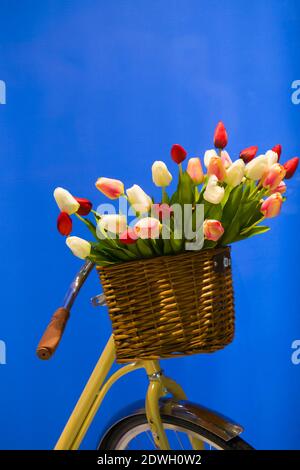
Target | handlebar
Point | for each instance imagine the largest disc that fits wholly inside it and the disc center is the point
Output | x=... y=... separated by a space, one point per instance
x=54 y=331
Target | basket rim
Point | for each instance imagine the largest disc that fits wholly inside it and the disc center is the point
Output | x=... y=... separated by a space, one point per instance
x=144 y=261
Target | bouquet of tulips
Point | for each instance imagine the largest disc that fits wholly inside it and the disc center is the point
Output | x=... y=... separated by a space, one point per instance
x=223 y=204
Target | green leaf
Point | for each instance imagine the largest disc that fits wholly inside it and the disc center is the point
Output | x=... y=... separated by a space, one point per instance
x=185 y=189
x=257 y=230
x=144 y=248
x=231 y=206
x=176 y=244
x=167 y=248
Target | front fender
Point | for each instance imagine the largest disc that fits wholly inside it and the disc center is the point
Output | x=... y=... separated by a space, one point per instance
x=212 y=421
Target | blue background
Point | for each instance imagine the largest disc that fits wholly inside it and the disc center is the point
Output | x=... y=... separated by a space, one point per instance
x=105 y=88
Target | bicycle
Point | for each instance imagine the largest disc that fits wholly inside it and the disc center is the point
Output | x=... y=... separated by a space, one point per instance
x=164 y=420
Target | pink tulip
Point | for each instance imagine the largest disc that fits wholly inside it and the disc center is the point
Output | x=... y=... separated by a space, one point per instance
x=226 y=160
x=148 y=227
x=194 y=169
x=212 y=229
x=274 y=176
x=216 y=167
x=281 y=188
x=110 y=187
x=272 y=205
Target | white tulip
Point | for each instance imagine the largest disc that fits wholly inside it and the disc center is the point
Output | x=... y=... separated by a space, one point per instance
x=257 y=167
x=114 y=223
x=235 y=173
x=140 y=201
x=65 y=201
x=207 y=156
x=272 y=156
x=226 y=160
x=160 y=174
x=213 y=192
x=79 y=247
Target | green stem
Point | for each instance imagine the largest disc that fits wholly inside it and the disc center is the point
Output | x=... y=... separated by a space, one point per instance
x=180 y=170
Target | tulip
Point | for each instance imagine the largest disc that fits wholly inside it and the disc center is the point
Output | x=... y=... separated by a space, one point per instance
x=272 y=157
x=114 y=223
x=194 y=170
x=207 y=156
x=220 y=136
x=111 y=188
x=178 y=153
x=235 y=173
x=148 y=227
x=160 y=174
x=248 y=153
x=128 y=237
x=216 y=167
x=281 y=188
x=257 y=167
x=213 y=193
x=272 y=205
x=65 y=201
x=273 y=177
x=277 y=148
x=291 y=167
x=161 y=211
x=226 y=160
x=85 y=206
x=140 y=201
x=79 y=247
x=212 y=229
x=64 y=224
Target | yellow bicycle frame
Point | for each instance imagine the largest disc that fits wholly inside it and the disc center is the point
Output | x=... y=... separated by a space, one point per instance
x=97 y=387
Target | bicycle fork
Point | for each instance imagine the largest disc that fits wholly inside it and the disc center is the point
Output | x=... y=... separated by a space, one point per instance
x=97 y=388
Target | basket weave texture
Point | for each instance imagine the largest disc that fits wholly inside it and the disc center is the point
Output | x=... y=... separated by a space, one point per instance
x=170 y=305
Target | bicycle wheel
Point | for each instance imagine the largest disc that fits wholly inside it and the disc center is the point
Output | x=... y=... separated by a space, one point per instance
x=133 y=433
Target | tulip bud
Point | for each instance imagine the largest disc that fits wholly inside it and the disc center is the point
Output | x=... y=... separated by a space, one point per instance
x=207 y=156
x=213 y=193
x=160 y=174
x=148 y=227
x=65 y=201
x=114 y=223
x=64 y=224
x=140 y=201
x=248 y=153
x=272 y=205
x=257 y=167
x=178 y=153
x=85 y=206
x=235 y=173
x=161 y=211
x=281 y=188
x=226 y=160
x=128 y=237
x=273 y=177
x=216 y=167
x=194 y=170
x=291 y=167
x=220 y=136
x=212 y=229
x=79 y=247
x=111 y=188
x=272 y=157
x=277 y=148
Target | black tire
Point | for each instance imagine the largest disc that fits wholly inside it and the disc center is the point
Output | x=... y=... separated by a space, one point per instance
x=113 y=436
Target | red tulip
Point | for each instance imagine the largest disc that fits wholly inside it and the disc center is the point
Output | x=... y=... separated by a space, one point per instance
x=178 y=153
x=220 y=136
x=128 y=237
x=291 y=167
x=64 y=224
x=249 y=153
x=85 y=206
x=277 y=148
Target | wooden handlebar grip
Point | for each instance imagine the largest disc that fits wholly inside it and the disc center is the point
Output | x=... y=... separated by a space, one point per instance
x=53 y=333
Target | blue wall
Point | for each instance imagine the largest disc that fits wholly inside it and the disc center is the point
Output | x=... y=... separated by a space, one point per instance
x=104 y=88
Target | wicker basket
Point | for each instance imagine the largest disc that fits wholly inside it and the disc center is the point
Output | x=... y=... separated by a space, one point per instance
x=170 y=305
